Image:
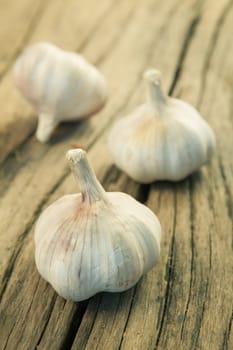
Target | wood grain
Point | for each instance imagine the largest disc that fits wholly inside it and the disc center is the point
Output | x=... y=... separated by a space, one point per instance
x=185 y=302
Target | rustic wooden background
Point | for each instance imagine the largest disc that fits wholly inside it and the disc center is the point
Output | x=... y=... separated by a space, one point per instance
x=185 y=302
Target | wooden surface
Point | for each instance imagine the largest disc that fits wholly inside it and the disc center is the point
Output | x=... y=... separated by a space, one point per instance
x=185 y=302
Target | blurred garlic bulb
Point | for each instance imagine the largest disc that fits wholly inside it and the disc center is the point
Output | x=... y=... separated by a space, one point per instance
x=95 y=240
x=60 y=85
x=163 y=139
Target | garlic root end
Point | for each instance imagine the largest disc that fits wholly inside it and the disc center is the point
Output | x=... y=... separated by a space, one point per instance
x=45 y=128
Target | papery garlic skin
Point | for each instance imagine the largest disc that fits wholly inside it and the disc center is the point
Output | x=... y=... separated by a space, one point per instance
x=61 y=85
x=163 y=139
x=95 y=241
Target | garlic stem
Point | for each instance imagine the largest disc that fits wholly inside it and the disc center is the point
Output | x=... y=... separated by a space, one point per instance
x=90 y=187
x=155 y=93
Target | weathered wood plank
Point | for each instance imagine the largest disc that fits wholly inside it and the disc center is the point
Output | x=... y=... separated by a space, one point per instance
x=215 y=301
x=186 y=301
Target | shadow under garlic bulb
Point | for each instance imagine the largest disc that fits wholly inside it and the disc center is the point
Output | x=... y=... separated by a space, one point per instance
x=163 y=139
x=95 y=241
x=61 y=85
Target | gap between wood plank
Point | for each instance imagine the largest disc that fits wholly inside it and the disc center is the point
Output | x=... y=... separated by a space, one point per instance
x=192 y=257
x=189 y=36
x=169 y=277
x=211 y=49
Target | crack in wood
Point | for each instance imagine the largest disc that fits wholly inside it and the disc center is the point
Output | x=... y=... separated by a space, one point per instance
x=30 y=305
x=210 y=253
x=74 y=326
x=227 y=190
x=128 y=316
x=187 y=41
x=93 y=303
x=9 y=270
x=169 y=277
x=199 y=317
x=192 y=265
x=15 y=320
x=192 y=270
x=203 y=294
x=9 y=335
x=210 y=51
x=54 y=298
x=227 y=333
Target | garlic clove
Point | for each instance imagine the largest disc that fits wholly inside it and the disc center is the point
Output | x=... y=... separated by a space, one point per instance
x=61 y=85
x=95 y=241
x=164 y=139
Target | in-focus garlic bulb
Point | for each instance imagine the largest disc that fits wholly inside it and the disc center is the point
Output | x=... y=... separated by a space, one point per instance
x=62 y=86
x=95 y=241
x=163 y=139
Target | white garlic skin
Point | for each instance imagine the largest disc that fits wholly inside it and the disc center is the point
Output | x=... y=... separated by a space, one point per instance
x=163 y=139
x=61 y=85
x=104 y=242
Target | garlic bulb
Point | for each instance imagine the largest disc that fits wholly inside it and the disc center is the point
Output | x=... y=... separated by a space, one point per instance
x=95 y=240
x=163 y=139
x=60 y=85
